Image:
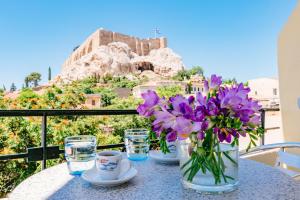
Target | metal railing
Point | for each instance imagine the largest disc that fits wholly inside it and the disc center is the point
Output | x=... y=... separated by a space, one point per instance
x=44 y=152
x=263 y=122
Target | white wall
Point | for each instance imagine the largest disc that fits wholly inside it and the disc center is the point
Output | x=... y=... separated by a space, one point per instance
x=262 y=88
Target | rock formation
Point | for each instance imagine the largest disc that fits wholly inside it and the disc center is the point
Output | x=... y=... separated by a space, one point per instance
x=116 y=55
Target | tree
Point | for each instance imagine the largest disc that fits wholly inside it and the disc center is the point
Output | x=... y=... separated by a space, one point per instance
x=49 y=73
x=232 y=81
x=196 y=70
x=26 y=82
x=4 y=88
x=13 y=87
x=107 y=95
x=186 y=74
x=181 y=75
x=33 y=78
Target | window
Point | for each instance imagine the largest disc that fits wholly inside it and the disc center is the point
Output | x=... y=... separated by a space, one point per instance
x=275 y=91
x=255 y=92
x=198 y=89
x=93 y=102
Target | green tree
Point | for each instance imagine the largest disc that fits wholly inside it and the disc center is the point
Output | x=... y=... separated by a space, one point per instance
x=26 y=80
x=196 y=70
x=107 y=95
x=13 y=87
x=181 y=75
x=33 y=78
x=49 y=73
x=232 y=81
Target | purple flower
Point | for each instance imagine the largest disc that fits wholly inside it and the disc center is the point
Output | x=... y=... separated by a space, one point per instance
x=216 y=130
x=171 y=136
x=227 y=111
x=191 y=99
x=164 y=119
x=221 y=136
x=201 y=135
x=199 y=114
x=212 y=108
x=158 y=129
x=200 y=99
x=255 y=120
x=186 y=110
x=151 y=100
x=183 y=127
x=213 y=84
x=224 y=135
x=176 y=101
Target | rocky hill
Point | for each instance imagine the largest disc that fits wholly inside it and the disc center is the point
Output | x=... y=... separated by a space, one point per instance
x=119 y=57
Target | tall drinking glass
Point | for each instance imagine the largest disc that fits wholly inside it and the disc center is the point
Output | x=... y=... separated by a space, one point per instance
x=80 y=153
x=137 y=144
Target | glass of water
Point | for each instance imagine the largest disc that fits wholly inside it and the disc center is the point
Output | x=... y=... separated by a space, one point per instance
x=137 y=144
x=80 y=153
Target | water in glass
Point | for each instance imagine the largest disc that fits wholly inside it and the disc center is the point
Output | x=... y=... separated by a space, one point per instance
x=80 y=153
x=137 y=144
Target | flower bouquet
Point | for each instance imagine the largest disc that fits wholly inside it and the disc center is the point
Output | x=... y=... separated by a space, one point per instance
x=208 y=128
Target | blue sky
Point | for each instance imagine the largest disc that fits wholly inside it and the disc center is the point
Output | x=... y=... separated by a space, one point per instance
x=233 y=38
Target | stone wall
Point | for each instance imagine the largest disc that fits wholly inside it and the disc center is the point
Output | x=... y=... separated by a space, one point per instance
x=141 y=47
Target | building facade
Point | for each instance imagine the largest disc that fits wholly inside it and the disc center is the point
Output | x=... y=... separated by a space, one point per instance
x=265 y=90
x=196 y=84
x=93 y=101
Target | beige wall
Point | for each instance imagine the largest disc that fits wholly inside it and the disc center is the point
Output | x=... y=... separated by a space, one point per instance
x=289 y=76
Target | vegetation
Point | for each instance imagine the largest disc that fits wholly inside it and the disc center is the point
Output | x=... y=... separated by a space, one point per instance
x=34 y=78
x=186 y=74
x=13 y=87
x=168 y=91
x=19 y=133
x=49 y=74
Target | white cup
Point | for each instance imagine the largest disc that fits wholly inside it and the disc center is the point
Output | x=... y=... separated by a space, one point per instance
x=110 y=165
x=172 y=146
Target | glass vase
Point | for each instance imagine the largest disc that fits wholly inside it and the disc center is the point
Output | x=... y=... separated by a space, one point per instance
x=209 y=178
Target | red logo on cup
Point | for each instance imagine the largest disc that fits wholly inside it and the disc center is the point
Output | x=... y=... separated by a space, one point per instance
x=103 y=160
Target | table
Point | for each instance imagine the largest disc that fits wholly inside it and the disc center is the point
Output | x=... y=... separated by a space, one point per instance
x=157 y=182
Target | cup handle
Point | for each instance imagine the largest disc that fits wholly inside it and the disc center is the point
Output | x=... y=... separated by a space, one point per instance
x=125 y=167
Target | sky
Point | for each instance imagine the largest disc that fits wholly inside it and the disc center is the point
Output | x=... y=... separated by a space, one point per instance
x=232 y=38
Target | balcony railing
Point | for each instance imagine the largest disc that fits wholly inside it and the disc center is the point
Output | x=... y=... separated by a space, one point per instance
x=44 y=152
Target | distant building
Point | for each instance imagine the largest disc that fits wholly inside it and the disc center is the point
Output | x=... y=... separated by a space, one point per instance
x=93 y=101
x=266 y=90
x=153 y=85
x=196 y=83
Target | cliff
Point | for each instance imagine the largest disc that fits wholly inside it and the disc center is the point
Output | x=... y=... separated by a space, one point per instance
x=106 y=52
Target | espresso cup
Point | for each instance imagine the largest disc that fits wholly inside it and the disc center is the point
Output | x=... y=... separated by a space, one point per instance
x=172 y=146
x=110 y=165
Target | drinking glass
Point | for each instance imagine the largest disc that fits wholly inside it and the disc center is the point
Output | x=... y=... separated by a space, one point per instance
x=137 y=144
x=80 y=153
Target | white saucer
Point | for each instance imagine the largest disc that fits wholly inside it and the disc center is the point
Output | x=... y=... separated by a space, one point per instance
x=92 y=176
x=159 y=157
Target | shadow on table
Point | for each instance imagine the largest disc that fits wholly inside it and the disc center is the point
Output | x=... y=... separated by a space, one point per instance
x=77 y=188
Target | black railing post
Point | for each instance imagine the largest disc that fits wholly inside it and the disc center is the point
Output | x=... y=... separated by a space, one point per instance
x=263 y=120
x=44 y=141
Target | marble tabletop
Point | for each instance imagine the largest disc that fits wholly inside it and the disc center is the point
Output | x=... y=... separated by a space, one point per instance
x=157 y=182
